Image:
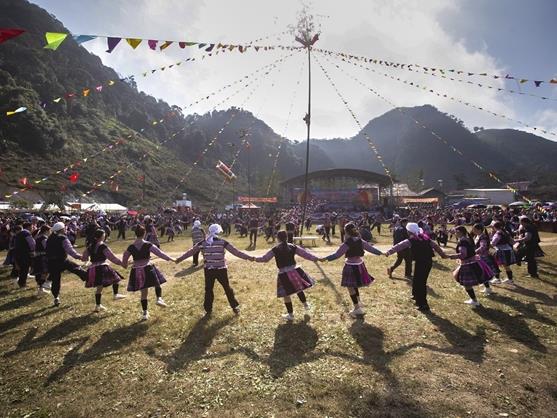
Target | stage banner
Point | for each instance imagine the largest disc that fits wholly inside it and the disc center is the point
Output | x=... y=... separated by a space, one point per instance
x=246 y=199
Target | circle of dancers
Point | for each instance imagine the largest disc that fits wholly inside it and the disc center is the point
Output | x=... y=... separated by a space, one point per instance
x=482 y=258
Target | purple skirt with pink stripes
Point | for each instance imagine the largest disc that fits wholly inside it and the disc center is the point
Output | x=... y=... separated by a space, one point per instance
x=355 y=276
x=102 y=275
x=292 y=282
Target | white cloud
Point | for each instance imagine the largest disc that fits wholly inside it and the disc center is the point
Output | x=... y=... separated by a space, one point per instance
x=401 y=30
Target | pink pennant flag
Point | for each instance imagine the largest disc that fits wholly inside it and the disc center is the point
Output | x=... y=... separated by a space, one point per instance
x=152 y=44
x=99 y=88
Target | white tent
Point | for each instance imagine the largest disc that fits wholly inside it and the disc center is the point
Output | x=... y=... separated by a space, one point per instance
x=98 y=207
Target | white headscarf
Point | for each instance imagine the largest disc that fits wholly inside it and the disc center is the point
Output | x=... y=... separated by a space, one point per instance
x=414 y=228
x=196 y=223
x=214 y=230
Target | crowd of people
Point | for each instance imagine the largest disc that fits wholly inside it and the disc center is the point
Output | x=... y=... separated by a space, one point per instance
x=497 y=240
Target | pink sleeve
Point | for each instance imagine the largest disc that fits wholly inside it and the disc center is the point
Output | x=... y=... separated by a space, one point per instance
x=266 y=257
x=302 y=252
x=159 y=253
x=125 y=258
x=338 y=253
x=370 y=248
x=234 y=251
x=402 y=245
x=495 y=239
x=110 y=255
x=193 y=250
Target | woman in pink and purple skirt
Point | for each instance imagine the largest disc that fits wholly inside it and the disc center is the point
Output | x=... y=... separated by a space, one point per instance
x=291 y=279
x=99 y=273
x=354 y=273
x=472 y=270
x=145 y=274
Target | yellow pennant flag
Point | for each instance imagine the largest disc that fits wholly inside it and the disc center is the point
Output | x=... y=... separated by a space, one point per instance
x=86 y=92
x=54 y=39
x=165 y=45
x=134 y=43
x=110 y=82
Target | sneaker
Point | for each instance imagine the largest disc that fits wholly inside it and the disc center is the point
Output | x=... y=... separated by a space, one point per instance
x=473 y=303
x=390 y=272
x=288 y=317
x=145 y=316
x=100 y=308
x=42 y=291
x=119 y=296
x=307 y=307
x=357 y=311
x=487 y=291
x=47 y=285
x=161 y=303
x=495 y=280
x=56 y=301
x=508 y=281
x=236 y=310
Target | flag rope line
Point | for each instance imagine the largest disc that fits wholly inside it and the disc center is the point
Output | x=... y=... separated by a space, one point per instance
x=431 y=131
x=447 y=96
x=367 y=137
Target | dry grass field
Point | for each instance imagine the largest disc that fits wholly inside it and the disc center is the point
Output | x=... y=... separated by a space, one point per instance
x=497 y=360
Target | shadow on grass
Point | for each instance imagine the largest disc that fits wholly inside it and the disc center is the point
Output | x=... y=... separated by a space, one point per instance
x=468 y=345
x=18 y=303
x=438 y=266
x=21 y=319
x=540 y=296
x=54 y=335
x=514 y=327
x=195 y=345
x=109 y=344
x=294 y=344
x=186 y=272
x=329 y=283
x=395 y=402
x=528 y=310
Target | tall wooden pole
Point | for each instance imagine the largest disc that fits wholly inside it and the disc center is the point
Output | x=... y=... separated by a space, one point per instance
x=308 y=123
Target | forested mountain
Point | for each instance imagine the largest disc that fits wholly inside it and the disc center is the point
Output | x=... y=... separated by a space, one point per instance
x=37 y=143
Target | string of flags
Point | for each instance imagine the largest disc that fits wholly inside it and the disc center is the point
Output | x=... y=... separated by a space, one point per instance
x=111 y=179
x=367 y=137
x=55 y=39
x=284 y=131
x=155 y=122
x=79 y=163
x=29 y=184
x=245 y=144
x=214 y=139
x=432 y=132
x=86 y=91
x=455 y=99
x=473 y=83
x=386 y=63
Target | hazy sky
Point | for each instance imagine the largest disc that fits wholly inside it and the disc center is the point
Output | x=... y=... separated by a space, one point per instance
x=495 y=36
